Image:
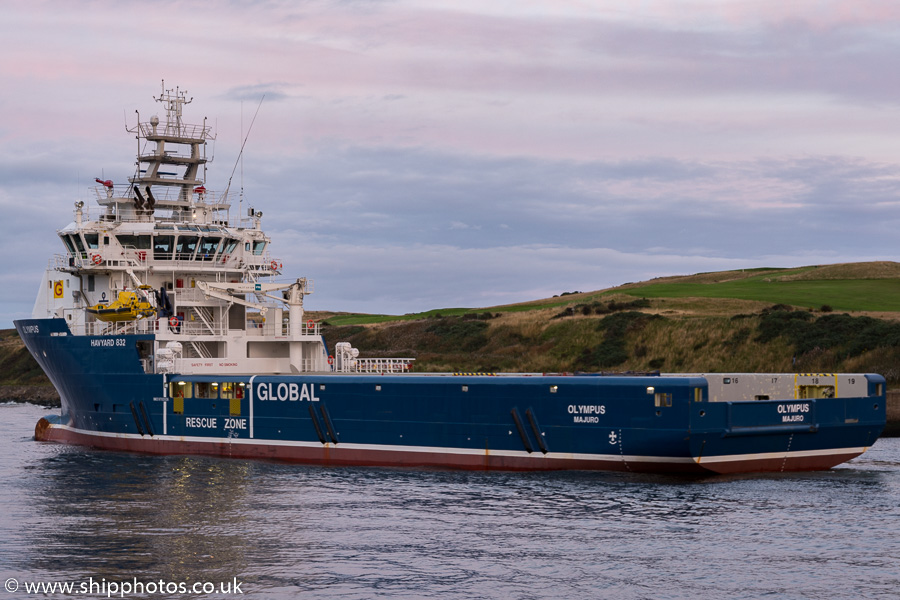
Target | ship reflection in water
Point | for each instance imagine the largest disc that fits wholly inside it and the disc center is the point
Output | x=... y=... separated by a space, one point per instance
x=109 y=515
x=288 y=531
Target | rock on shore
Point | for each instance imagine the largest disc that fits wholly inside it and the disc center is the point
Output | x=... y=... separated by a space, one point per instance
x=893 y=414
x=43 y=395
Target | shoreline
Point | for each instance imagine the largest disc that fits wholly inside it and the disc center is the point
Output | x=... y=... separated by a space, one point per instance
x=42 y=395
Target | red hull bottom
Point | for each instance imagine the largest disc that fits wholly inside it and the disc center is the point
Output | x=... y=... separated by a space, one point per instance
x=346 y=455
x=821 y=462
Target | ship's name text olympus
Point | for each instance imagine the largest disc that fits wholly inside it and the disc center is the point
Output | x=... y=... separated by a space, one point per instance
x=586 y=413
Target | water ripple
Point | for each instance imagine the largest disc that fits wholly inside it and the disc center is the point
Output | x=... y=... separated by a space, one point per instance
x=289 y=531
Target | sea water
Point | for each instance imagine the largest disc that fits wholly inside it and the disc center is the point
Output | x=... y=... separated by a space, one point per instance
x=116 y=525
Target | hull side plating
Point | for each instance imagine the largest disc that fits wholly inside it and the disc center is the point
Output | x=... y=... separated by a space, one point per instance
x=539 y=422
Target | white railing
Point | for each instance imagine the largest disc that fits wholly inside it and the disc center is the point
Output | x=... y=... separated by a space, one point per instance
x=166 y=196
x=120 y=328
x=384 y=365
x=142 y=259
x=270 y=328
x=196 y=327
x=193 y=132
x=187 y=294
x=63 y=261
x=162 y=194
x=175 y=328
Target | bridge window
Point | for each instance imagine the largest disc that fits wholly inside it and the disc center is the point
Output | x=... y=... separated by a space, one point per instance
x=230 y=245
x=208 y=247
x=136 y=242
x=162 y=247
x=68 y=242
x=185 y=247
x=92 y=240
x=80 y=245
x=258 y=247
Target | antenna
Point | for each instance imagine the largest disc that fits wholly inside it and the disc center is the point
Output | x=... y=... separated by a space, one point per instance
x=241 y=153
x=241 y=196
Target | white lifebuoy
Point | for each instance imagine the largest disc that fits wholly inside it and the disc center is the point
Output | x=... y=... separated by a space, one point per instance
x=96 y=259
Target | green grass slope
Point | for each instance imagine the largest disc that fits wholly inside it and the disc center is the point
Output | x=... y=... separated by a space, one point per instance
x=855 y=287
x=755 y=320
x=876 y=295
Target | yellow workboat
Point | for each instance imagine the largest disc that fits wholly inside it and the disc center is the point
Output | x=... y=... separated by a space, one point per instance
x=127 y=307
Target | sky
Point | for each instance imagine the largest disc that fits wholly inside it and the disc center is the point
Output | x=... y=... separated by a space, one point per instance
x=409 y=156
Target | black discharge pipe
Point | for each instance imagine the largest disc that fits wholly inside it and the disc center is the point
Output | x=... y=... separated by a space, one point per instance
x=137 y=421
x=522 y=433
x=315 y=422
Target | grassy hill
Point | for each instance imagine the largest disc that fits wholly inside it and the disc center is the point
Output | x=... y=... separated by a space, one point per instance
x=842 y=317
x=850 y=287
x=826 y=318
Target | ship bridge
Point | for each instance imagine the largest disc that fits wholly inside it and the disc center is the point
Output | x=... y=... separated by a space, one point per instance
x=164 y=256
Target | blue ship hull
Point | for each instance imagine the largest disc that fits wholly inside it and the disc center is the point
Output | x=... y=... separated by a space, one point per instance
x=541 y=422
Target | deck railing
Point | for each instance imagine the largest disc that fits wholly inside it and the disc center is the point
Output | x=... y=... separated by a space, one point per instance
x=384 y=365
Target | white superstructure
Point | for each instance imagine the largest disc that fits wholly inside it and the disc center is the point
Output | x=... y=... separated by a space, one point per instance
x=165 y=256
